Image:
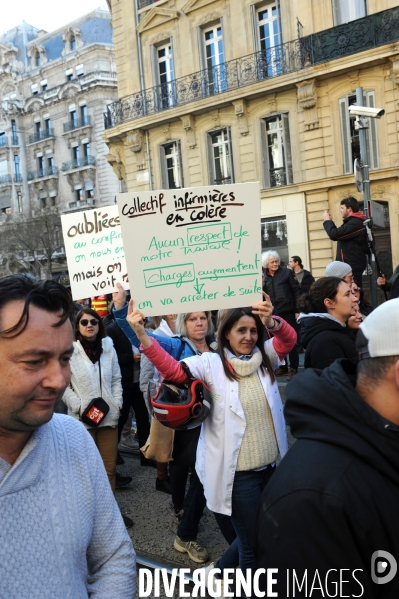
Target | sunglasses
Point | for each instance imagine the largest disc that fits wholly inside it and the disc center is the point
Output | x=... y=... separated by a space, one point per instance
x=84 y=322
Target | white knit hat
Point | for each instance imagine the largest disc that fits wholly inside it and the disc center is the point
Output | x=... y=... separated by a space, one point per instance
x=338 y=269
x=378 y=336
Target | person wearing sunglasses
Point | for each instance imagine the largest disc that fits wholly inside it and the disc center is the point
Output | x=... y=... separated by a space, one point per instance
x=95 y=373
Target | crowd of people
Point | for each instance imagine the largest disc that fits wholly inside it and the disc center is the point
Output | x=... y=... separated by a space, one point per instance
x=326 y=506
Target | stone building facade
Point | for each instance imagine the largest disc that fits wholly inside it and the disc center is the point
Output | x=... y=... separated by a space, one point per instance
x=213 y=91
x=54 y=89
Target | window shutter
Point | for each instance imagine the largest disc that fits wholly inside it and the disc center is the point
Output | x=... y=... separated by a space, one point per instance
x=173 y=95
x=180 y=163
x=228 y=129
x=211 y=164
x=346 y=137
x=154 y=65
x=255 y=31
x=201 y=48
x=372 y=137
x=162 y=162
x=265 y=157
x=287 y=148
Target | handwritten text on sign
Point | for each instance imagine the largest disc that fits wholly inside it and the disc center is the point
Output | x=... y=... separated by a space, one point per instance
x=193 y=249
x=94 y=250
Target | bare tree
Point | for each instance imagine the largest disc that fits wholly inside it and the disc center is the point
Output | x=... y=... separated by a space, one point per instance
x=31 y=245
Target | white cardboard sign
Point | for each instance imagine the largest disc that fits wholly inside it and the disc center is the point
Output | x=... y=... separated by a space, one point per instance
x=94 y=251
x=193 y=249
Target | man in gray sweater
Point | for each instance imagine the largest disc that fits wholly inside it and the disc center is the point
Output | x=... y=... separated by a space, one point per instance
x=61 y=532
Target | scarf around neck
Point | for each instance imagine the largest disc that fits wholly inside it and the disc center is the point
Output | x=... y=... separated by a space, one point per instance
x=93 y=349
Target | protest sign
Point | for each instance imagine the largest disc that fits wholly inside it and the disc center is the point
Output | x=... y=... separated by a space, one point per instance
x=193 y=249
x=94 y=251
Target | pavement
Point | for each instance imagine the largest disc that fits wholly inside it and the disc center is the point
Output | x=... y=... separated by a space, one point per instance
x=154 y=527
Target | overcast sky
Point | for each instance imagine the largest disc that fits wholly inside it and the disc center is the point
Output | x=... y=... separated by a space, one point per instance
x=44 y=14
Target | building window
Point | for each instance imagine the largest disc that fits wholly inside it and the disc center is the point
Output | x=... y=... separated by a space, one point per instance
x=171 y=166
x=38 y=128
x=69 y=75
x=165 y=75
x=348 y=10
x=350 y=137
x=37 y=59
x=76 y=156
x=274 y=237
x=50 y=162
x=86 y=150
x=16 y=168
x=43 y=203
x=73 y=118
x=40 y=165
x=44 y=86
x=214 y=60
x=79 y=195
x=276 y=150
x=267 y=40
x=89 y=194
x=47 y=126
x=220 y=157
x=72 y=43
x=84 y=115
x=35 y=89
x=14 y=133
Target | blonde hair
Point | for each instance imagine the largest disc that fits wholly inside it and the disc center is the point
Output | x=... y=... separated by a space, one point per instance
x=181 y=328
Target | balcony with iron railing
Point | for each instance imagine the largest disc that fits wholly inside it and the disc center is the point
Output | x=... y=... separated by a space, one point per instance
x=18 y=178
x=39 y=135
x=14 y=139
x=80 y=205
x=83 y=162
x=5 y=179
x=51 y=171
x=97 y=76
x=77 y=124
x=369 y=32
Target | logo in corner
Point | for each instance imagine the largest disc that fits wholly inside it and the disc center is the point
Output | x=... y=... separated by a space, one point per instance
x=383 y=567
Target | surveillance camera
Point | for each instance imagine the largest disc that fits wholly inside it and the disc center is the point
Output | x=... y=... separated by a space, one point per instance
x=375 y=113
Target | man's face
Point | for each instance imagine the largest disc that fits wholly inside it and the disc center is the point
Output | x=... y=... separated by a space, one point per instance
x=292 y=264
x=34 y=368
x=345 y=211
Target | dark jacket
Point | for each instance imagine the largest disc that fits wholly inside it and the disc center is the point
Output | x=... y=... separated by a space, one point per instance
x=351 y=240
x=330 y=504
x=393 y=284
x=284 y=290
x=123 y=349
x=325 y=341
x=306 y=282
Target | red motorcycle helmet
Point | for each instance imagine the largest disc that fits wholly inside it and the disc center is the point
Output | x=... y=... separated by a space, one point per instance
x=182 y=407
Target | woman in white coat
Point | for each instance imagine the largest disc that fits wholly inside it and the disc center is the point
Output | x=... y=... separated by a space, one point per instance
x=245 y=432
x=92 y=347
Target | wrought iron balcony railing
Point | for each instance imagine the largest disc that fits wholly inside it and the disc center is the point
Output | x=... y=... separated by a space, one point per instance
x=17 y=178
x=77 y=124
x=39 y=135
x=81 y=162
x=369 y=32
x=5 y=179
x=14 y=139
x=143 y=3
x=3 y=141
x=50 y=171
x=280 y=176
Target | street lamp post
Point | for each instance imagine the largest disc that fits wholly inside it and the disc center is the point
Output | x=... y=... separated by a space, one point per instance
x=362 y=124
